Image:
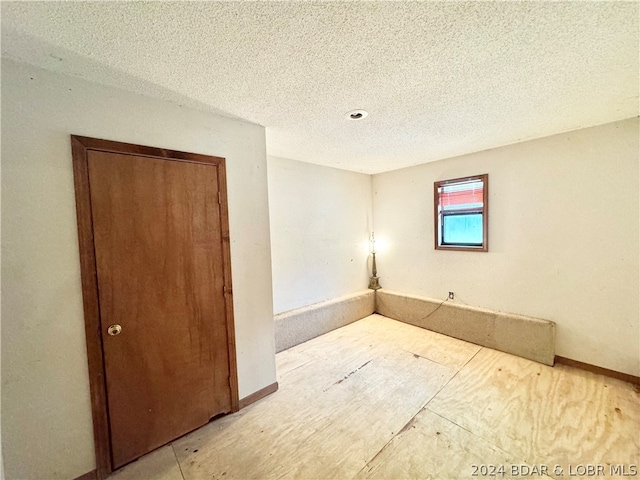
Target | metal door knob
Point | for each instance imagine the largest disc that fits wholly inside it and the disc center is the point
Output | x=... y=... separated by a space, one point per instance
x=114 y=330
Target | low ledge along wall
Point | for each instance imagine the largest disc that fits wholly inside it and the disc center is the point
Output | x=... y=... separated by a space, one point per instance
x=526 y=337
x=302 y=324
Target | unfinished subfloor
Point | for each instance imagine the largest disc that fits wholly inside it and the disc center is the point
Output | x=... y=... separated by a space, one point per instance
x=382 y=399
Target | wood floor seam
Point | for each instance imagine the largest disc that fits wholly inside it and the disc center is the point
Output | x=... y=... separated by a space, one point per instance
x=451 y=421
x=411 y=421
x=296 y=368
x=482 y=439
x=417 y=355
x=346 y=377
x=400 y=432
x=173 y=449
x=452 y=377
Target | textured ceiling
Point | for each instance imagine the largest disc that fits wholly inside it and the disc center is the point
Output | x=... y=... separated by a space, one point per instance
x=438 y=79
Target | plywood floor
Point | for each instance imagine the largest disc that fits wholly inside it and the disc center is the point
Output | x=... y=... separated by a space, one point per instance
x=383 y=399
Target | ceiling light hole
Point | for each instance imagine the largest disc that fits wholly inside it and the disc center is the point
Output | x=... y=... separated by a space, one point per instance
x=357 y=114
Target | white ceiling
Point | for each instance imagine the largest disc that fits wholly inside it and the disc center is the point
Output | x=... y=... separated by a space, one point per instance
x=438 y=79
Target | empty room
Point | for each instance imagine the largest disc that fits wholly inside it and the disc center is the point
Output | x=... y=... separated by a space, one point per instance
x=320 y=240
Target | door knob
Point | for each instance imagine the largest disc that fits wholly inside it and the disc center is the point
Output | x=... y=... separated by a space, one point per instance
x=114 y=330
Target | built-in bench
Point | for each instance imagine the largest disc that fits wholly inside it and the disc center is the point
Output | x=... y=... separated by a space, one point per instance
x=526 y=337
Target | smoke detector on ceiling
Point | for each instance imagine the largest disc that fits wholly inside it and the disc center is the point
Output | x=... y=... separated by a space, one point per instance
x=357 y=114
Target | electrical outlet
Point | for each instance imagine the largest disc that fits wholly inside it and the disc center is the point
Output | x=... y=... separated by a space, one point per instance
x=451 y=295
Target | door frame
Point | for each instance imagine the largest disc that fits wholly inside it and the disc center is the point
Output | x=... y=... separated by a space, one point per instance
x=80 y=146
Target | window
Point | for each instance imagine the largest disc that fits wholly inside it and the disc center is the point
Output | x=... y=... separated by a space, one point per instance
x=461 y=213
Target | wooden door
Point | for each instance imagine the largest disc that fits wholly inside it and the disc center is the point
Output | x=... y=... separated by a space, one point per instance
x=158 y=238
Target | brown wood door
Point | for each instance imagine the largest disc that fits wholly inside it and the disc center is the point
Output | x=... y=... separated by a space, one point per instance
x=159 y=264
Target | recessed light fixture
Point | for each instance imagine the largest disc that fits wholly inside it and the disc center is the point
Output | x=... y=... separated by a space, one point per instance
x=357 y=114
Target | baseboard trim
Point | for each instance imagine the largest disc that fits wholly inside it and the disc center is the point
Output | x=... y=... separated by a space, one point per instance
x=92 y=475
x=625 y=377
x=260 y=394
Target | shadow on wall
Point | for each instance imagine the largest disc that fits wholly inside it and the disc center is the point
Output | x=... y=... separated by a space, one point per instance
x=60 y=60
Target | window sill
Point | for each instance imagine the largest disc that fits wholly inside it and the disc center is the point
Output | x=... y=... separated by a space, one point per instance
x=484 y=248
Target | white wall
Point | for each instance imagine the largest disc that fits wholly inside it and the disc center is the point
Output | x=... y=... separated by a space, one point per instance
x=320 y=222
x=563 y=238
x=46 y=416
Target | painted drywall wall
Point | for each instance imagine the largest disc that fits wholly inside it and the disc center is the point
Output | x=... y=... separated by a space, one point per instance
x=320 y=222
x=563 y=238
x=46 y=417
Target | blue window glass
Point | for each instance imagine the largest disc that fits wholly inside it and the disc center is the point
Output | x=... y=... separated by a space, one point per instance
x=463 y=229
